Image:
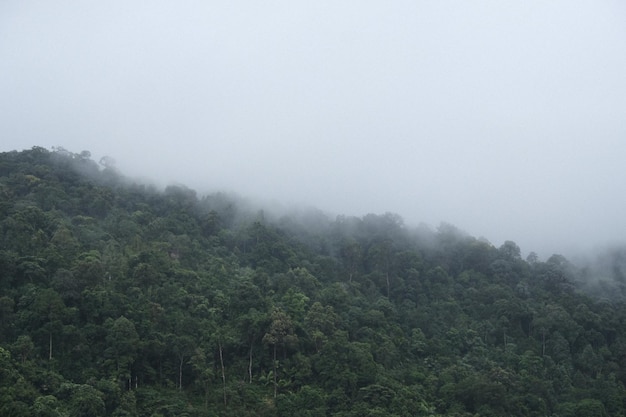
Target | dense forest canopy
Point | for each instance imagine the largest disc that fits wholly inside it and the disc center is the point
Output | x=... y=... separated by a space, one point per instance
x=119 y=299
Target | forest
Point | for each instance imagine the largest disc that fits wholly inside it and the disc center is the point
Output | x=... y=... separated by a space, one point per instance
x=121 y=299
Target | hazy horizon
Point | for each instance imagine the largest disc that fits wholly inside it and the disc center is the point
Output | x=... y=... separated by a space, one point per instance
x=504 y=119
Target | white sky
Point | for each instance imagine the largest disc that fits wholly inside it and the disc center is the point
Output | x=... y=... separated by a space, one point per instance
x=505 y=118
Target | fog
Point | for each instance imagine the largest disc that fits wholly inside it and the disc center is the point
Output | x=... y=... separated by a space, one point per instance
x=506 y=119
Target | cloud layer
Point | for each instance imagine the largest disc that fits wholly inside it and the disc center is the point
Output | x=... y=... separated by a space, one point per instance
x=504 y=119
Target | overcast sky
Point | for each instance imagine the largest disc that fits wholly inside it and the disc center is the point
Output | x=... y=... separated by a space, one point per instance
x=504 y=118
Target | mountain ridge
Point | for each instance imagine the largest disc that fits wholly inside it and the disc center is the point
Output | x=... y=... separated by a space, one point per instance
x=122 y=299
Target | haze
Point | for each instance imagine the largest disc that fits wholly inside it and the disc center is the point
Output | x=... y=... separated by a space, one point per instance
x=506 y=119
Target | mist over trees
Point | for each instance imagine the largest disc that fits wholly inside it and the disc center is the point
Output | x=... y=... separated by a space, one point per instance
x=120 y=299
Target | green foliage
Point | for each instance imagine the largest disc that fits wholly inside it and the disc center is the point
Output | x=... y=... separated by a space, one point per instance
x=121 y=300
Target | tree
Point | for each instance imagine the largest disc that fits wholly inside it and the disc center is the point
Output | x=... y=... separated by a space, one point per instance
x=280 y=333
x=320 y=323
x=83 y=400
x=200 y=364
x=510 y=251
x=182 y=346
x=47 y=406
x=381 y=255
x=590 y=408
x=252 y=325
x=123 y=344
x=44 y=312
x=351 y=257
x=24 y=347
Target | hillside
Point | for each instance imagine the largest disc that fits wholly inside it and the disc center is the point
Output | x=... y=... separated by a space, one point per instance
x=119 y=299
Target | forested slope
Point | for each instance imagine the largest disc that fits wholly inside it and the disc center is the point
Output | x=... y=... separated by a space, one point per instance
x=118 y=299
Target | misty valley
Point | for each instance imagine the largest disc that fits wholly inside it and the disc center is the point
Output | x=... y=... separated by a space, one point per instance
x=118 y=298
